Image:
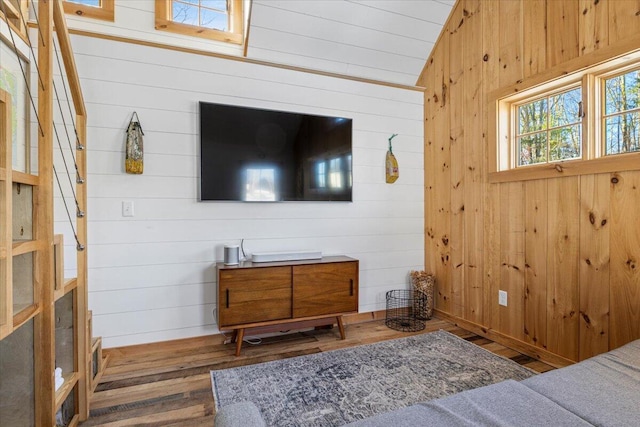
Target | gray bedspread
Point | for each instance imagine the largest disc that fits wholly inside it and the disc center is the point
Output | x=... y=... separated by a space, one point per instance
x=601 y=391
x=507 y=404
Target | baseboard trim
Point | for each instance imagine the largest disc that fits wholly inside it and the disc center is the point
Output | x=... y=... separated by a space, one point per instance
x=537 y=353
x=355 y=318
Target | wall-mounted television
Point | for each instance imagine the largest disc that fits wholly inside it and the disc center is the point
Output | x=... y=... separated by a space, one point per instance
x=257 y=155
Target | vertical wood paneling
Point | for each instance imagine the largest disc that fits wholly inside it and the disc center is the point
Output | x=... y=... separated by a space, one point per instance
x=625 y=258
x=510 y=48
x=593 y=25
x=473 y=159
x=594 y=264
x=442 y=172
x=492 y=257
x=534 y=29
x=431 y=248
x=562 y=266
x=512 y=258
x=422 y=79
x=491 y=196
x=562 y=31
x=458 y=145
x=557 y=300
x=624 y=19
x=535 y=276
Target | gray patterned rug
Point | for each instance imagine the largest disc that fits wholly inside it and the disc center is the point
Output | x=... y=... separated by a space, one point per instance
x=341 y=386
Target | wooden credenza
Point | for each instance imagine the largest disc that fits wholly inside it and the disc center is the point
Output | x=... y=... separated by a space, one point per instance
x=252 y=295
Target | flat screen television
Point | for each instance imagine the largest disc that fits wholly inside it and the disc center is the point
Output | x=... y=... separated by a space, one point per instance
x=256 y=155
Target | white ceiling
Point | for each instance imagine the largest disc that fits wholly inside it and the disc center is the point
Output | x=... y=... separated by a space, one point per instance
x=384 y=40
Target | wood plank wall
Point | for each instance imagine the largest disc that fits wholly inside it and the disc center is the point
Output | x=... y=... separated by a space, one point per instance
x=567 y=250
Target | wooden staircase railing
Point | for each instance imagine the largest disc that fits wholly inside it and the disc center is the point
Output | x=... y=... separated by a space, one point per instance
x=57 y=312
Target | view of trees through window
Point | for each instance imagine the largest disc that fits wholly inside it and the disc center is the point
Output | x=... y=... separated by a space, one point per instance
x=212 y=14
x=550 y=128
x=622 y=113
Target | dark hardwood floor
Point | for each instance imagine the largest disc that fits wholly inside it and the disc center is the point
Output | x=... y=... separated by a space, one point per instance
x=168 y=384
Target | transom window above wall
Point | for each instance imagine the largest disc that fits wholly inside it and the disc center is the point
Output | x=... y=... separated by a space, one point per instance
x=549 y=128
x=96 y=9
x=621 y=113
x=583 y=122
x=220 y=20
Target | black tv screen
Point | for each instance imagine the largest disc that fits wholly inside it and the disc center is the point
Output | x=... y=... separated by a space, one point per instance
x=257 y=155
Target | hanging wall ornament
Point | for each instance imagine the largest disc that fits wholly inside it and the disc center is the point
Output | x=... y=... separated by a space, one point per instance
x=134 y=149
x=392 y=164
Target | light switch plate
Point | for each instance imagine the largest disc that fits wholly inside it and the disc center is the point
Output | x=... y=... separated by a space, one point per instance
x=127 y=208
x=502 y=298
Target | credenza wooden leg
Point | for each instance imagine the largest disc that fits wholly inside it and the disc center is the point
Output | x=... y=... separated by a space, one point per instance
x=341 y=327
x=239 y=338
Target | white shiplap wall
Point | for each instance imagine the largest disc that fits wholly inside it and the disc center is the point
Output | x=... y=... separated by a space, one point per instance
x=383 y=40
x=387 y=40
x=151 y=277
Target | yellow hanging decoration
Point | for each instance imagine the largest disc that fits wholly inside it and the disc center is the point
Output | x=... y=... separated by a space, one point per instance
x=392 y=164
x=134 y=161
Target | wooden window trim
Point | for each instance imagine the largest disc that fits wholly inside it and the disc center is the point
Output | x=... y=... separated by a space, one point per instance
x=14 y=18
x=105 y=12
x=600 y=79
x=164 y=22
x=609 y=164
x=512 y=115
x=591 y=69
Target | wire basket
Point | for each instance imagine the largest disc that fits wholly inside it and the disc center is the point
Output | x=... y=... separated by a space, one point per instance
x=401 y=313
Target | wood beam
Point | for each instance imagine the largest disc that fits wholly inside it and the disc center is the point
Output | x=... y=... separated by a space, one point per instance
x=43 y=206
x=67 y=57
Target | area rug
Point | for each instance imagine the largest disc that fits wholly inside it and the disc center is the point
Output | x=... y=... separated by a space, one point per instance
x=341 y=386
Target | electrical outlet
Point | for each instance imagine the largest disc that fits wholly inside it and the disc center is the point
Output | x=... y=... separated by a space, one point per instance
x=502 y=298
x=127 y=208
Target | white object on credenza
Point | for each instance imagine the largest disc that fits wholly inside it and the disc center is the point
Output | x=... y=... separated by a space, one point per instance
x=285 y=256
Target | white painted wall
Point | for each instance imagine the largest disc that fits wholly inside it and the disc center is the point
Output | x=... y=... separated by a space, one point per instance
x=381 y=40
x=152 y=277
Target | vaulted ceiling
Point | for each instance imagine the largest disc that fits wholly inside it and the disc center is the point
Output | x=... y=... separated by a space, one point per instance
x=384 y=40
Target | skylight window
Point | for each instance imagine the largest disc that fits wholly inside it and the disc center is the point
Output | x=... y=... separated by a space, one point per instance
x=95 y=9
x=93 y=3
x=213 y=14
x=220 y=20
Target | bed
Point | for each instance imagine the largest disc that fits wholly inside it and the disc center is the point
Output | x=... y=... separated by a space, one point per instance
x=601 y=391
